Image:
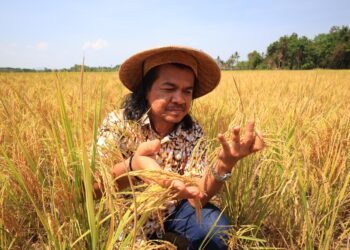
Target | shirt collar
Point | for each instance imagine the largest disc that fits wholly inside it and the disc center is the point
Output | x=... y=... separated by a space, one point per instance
x=145 y=122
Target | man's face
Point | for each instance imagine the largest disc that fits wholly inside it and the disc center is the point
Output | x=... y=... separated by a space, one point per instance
x=170 y=95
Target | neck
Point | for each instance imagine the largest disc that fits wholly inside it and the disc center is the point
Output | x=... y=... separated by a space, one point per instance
x=163 y=129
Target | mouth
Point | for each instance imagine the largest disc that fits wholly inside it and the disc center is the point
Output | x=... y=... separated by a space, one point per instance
x=175 y=110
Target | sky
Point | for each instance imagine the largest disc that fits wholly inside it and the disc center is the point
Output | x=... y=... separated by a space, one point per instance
x=58 y=34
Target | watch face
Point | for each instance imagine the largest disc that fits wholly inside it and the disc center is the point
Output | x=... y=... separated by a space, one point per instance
x=226 y=176
x=218 y=177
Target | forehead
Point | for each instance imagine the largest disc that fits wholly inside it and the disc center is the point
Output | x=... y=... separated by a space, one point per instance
x=169 y=73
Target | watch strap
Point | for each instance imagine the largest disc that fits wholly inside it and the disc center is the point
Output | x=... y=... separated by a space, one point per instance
x=218 y=177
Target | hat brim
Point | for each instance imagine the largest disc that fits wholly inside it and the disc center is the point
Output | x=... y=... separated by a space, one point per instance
x=208 y=72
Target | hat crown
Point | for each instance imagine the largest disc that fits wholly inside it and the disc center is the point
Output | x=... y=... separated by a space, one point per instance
x=207 y=71
x=169 y=57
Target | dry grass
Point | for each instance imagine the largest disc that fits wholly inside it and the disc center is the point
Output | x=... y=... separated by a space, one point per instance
x=294 y=195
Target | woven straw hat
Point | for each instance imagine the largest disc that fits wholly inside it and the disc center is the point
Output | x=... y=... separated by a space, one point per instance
x=204 y=67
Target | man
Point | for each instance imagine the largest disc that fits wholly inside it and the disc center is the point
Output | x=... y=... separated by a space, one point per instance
x=164 y=81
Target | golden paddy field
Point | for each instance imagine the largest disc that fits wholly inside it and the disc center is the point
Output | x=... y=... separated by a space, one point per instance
x=293 y=195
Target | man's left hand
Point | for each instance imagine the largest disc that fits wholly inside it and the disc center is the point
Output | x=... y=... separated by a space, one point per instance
x=237 y=149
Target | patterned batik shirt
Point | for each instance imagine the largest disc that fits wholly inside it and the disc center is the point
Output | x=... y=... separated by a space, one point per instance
x=182 y=151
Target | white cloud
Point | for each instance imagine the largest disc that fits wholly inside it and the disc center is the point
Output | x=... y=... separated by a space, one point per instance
x=98 y=44
x=42 y=45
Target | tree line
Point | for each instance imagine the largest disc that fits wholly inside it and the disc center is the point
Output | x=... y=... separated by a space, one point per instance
x=329 y=50
x=74 y=68
x=326 y=50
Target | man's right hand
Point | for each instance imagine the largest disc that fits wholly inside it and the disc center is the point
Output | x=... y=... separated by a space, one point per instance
x=145 y=158
x=148 y=148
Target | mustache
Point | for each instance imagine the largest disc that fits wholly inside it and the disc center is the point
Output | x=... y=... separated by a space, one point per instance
x=176 y=107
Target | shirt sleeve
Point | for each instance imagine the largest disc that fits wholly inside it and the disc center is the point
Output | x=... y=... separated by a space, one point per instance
x=110 y=135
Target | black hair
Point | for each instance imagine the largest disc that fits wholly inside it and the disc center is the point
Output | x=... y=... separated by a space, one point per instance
x=135 y=104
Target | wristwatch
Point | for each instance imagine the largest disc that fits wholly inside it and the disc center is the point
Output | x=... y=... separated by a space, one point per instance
x=218 y=177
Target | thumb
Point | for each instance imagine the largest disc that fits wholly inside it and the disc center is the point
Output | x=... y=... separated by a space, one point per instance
x=148 y=148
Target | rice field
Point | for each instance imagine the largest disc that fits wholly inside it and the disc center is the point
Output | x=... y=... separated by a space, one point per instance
x=293 y=195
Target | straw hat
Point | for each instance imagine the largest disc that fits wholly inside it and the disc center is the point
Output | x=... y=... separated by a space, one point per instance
x=204 y=67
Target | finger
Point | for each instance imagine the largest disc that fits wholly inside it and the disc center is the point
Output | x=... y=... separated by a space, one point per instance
x=140 y=162
x=149 y=148
x=190 y=192
x=178 y=188
x=184 y=192
x=178 y=185
x=198 y=194
x=224 y=144
x=249 y=135
x=193 y=192
x=259 y=143
x=236 y=138
x=156 y=146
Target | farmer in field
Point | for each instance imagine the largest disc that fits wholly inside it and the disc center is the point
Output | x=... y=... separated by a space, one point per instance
x=164 y=82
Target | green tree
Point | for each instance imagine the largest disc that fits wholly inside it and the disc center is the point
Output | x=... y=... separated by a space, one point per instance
x=333 y=48
x=254 y=59
x=219 y=62
x=242 y=65
x=291 y=52
x=232 y=61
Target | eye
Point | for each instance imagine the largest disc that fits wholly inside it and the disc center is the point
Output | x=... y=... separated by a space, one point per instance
x=168 y=89
x=189 y=91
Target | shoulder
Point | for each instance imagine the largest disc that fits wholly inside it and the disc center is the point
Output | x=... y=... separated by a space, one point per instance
x=114 y=118
x=111 y=133
x=111 y=125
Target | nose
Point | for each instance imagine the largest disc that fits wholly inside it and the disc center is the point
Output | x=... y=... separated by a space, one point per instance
x=179 y=98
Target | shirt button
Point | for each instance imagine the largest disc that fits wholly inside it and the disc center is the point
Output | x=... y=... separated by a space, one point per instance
x=178 y=156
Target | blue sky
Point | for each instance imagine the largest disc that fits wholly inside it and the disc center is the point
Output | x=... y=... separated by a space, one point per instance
x=56 y=34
